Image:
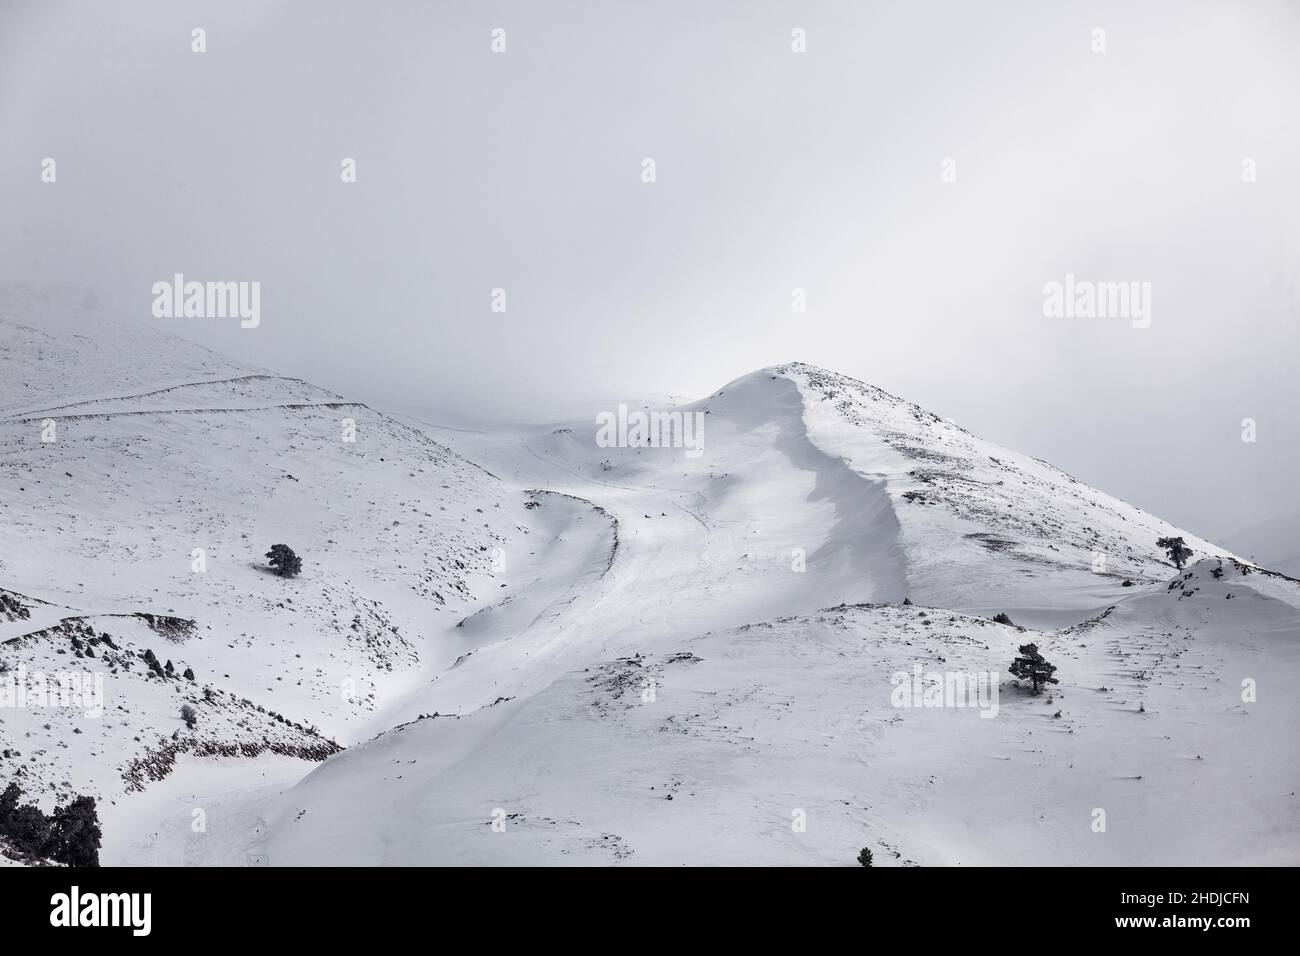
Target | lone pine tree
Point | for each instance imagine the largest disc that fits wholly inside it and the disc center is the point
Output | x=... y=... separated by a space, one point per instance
x=1031 y=666
x=1178 y=550
x=283 y=561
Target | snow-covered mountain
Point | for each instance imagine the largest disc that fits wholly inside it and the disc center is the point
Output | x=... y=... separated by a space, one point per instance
x=161 y=499
x=533 y=645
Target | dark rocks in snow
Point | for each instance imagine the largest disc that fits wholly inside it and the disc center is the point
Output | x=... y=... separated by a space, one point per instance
x=11 y=608
x=176 y=629
x=156 y=765
x=151 y=659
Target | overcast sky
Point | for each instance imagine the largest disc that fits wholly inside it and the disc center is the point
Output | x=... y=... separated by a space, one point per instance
x=774 y=171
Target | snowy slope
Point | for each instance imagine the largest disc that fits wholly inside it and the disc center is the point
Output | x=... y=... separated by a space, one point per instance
x=984 y=526
x=395 y=531
x=57 y=342
x=704 y=695
x=749 y=726
x=616 y=654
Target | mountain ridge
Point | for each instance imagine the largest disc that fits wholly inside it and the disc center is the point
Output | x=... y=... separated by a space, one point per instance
x=520 y=615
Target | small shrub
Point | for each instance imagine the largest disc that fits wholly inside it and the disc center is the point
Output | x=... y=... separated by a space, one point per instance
x=283 y=561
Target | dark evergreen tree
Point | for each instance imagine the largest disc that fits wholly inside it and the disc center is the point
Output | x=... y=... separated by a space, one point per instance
x=1178 y=550
x=8 y=804
x=28 y=830
x=864 y=857
x=1032 y=667
x=75 y=834
x=283 y=561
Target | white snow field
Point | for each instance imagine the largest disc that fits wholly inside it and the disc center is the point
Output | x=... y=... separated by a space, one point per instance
x=535 y=649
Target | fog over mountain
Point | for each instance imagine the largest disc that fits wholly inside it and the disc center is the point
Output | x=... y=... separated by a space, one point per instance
x=775 y=171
